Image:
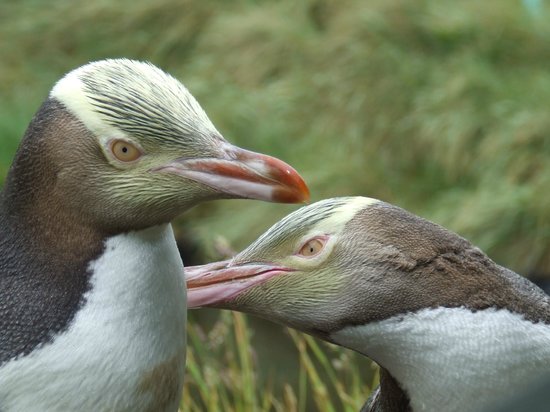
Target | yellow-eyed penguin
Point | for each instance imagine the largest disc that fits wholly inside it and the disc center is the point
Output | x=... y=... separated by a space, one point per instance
x=451 y=330
x=91 y=310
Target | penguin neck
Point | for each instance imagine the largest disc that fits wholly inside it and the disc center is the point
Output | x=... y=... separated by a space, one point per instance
x=32 y=207
x=42 y=224
x=452 y=356
x=44 y=256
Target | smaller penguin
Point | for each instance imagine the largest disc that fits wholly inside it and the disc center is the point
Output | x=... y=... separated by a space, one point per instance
x=451 y=330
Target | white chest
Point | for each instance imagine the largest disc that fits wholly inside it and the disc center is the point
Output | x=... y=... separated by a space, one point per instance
x=454 y=359
x=128 y=338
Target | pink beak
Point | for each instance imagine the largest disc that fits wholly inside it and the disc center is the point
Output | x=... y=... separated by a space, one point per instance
x=219 y=282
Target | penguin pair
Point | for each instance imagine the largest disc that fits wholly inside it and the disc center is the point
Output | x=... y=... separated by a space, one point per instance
x=92 y=308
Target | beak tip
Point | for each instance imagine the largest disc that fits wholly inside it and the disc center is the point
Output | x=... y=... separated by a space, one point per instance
x=292 y=187
x=306 y=195
x=291 y=194
x=303 y=195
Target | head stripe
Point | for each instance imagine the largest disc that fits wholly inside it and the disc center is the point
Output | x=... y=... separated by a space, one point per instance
x=333 y=213
x=123 y=96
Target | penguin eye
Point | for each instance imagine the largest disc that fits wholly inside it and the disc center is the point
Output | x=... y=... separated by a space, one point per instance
x=125 y=151
x=312 y=247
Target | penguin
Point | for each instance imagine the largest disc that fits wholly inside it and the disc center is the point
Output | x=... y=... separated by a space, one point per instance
x=91 y=286
x=450 y=329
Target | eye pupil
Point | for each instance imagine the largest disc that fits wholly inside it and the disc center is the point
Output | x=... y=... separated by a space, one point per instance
x=124 y=149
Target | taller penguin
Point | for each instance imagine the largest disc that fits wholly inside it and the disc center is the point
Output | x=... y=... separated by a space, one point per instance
x=91 y=309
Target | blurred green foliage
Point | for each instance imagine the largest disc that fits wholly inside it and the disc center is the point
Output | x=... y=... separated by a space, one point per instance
x=438 y=106
x=222 y=373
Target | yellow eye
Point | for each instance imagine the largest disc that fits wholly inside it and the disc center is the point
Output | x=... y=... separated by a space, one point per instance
x=312 y=247
x=125 y=151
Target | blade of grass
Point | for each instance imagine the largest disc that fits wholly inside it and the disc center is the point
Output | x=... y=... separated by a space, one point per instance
x=329 y=369
x=321 y=398
x=244 y=350
x=291 y=403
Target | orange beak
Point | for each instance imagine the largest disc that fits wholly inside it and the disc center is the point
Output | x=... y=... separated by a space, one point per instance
x=240 y=173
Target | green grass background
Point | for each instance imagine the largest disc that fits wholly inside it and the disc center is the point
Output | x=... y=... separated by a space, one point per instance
x=438 y=106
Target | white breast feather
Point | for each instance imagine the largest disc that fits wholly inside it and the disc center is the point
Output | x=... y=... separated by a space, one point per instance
x=133 y=319
x=454 y=359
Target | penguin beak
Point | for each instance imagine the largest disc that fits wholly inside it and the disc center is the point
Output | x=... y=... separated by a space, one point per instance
x=244 y=174
x=219 y=282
